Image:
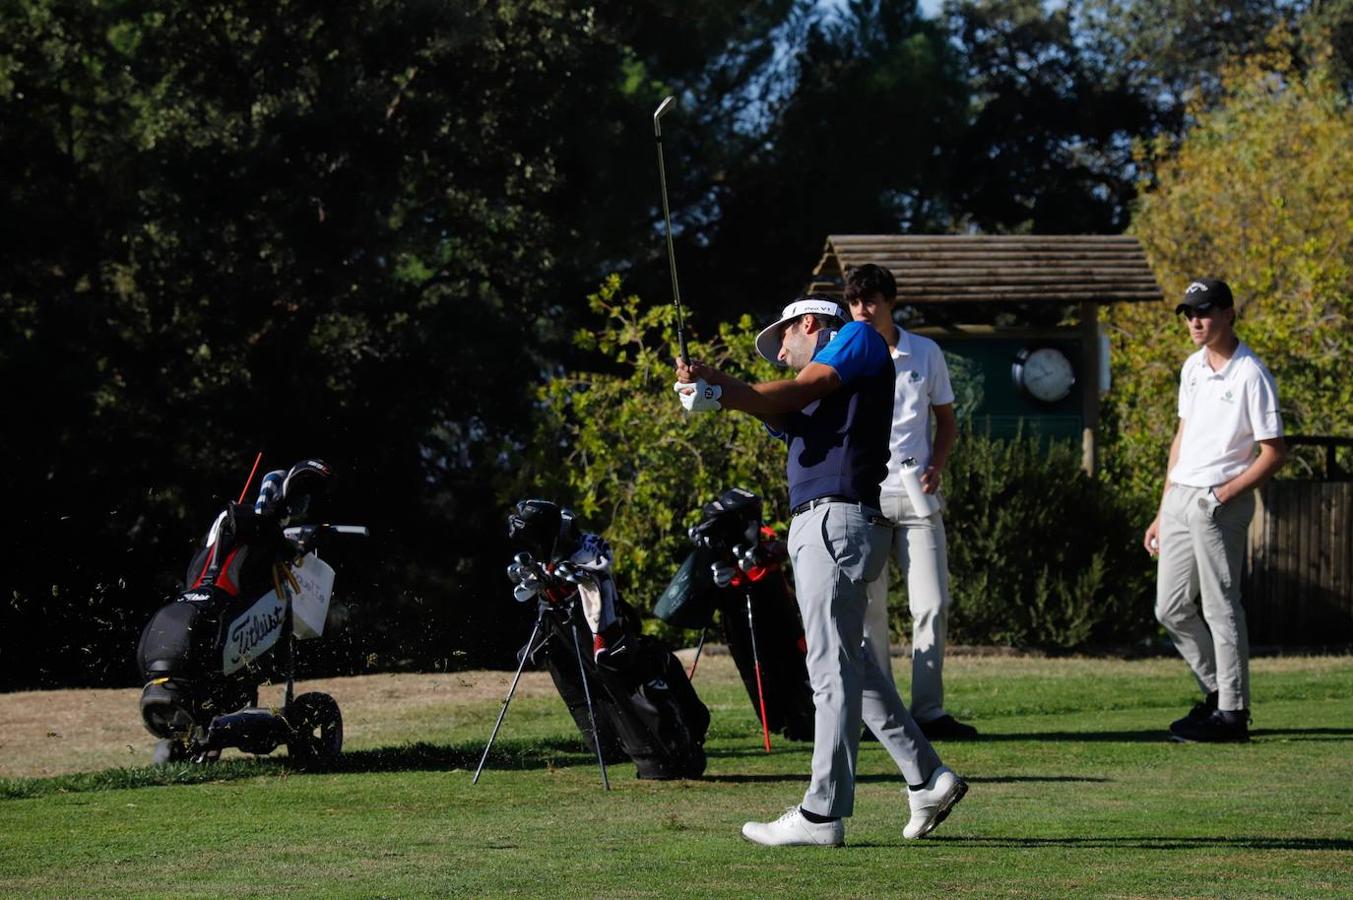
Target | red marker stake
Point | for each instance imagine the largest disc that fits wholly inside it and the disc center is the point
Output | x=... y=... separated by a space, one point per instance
x=756 y=665
x=250 y=480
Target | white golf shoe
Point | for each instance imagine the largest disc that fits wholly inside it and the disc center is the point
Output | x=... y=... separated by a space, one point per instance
x=793 y=830
x=932 y=803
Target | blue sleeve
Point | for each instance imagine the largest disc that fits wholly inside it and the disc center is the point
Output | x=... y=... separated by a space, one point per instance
x=857 y=350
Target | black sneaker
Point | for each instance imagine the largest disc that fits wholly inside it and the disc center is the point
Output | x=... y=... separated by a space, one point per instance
x=947 y=728
x=1201 y=710
x=1221 y=727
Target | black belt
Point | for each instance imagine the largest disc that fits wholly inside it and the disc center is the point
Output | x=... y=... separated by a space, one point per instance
x=874 y=517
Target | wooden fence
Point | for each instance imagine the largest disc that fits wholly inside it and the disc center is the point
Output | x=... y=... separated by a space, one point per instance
x=1298 y=585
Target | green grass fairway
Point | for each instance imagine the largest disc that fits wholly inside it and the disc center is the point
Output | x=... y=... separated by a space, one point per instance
x=1075 y=791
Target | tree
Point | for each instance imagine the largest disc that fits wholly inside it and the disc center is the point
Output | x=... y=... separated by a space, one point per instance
x=1047 y=145
x=846 y=141
x=1173 y=53
x=1258 y=193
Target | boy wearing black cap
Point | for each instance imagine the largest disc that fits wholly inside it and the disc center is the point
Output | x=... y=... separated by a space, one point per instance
x=1228 y=403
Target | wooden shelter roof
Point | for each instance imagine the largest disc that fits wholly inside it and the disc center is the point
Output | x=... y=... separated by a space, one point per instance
x=995 y=268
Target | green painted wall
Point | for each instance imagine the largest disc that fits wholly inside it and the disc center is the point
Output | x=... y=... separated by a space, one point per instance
x=985 y=391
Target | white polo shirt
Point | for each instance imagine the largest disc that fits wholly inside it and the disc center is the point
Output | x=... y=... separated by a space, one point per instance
x=922 y=381
x=1224 y=414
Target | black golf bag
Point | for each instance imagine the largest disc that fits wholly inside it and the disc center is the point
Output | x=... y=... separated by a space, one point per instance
x=730 y=538
x=644 y=705
x=253 y=587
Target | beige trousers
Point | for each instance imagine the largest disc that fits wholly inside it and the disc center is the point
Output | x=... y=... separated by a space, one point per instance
x=1202 y=550
x=921 y=552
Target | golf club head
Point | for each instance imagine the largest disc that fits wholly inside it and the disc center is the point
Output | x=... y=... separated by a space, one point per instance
x=663 y=107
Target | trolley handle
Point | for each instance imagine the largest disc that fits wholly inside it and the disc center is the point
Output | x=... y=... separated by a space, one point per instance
x=306 y=536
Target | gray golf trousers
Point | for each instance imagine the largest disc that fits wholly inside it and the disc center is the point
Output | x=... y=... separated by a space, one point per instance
x=919 y=546
x=836 y=551
x=1202 y=554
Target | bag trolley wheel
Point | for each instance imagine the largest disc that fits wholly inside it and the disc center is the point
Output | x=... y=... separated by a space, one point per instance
x=317 y=729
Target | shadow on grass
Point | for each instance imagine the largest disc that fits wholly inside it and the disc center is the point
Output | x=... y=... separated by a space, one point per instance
x=507 y=754
x=1156 y=736
x=1018 y=779
x=1239 y=842
x=770 y=777
x=751 y=778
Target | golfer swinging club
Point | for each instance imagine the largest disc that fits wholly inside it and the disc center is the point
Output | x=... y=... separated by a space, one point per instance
x=835 y=418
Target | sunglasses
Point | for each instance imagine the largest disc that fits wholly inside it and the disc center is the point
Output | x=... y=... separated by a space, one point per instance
x=1190 y=313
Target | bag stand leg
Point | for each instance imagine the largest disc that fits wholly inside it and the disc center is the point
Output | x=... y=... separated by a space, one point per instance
x=526 y=654
x=698 y=647
x=591 y=713
x=756 y=665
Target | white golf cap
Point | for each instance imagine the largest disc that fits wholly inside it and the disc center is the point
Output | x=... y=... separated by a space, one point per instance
x=768 y=341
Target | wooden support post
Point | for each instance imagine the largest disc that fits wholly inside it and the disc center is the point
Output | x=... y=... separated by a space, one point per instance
x=1089 y=335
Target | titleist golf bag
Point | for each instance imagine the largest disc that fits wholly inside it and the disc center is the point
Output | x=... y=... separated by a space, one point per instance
x=253 y=588
x=736 y=569
x=590 y=642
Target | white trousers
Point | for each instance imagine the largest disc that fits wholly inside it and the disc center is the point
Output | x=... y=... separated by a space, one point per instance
x=919 y=546
x=1202 y=554
x=836 y=550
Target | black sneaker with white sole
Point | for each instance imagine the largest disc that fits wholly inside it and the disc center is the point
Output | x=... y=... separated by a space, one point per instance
x=1220 y=727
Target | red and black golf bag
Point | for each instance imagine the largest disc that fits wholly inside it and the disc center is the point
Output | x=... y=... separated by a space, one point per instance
x=737 y=570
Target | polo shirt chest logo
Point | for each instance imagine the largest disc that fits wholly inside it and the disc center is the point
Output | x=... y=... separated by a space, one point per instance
x=1228 y=397
x=914 y=377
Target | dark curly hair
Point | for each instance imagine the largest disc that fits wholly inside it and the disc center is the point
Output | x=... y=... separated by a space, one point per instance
x=862 y=281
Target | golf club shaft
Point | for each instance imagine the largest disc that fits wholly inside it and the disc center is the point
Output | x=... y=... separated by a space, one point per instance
x=698 y=647
x=667 y=221
x=756 y=666
x=591 y=713
x=530 y=642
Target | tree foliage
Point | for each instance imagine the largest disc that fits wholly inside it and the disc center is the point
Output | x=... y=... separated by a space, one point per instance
x=1258 y=194
x=1042 y=555
x=1173 y=53
x=1047 y=143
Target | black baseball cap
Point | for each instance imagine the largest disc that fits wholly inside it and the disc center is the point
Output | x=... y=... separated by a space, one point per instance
x=1205 y=294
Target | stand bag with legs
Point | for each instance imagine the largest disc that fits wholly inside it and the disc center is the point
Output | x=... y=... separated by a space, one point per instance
x=625 y=690
x=737 y=569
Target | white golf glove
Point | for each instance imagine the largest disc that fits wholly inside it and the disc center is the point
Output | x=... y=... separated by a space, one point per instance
x=697 y=396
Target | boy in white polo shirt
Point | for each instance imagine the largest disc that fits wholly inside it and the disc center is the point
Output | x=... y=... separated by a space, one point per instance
x=1228 y=403
x=921 y=391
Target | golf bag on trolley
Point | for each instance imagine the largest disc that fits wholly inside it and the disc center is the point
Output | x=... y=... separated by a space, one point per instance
x=737 y=569
x=253 y=588
x=641 y=703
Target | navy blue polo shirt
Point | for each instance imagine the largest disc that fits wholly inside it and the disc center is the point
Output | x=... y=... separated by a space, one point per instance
x=838 y=445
